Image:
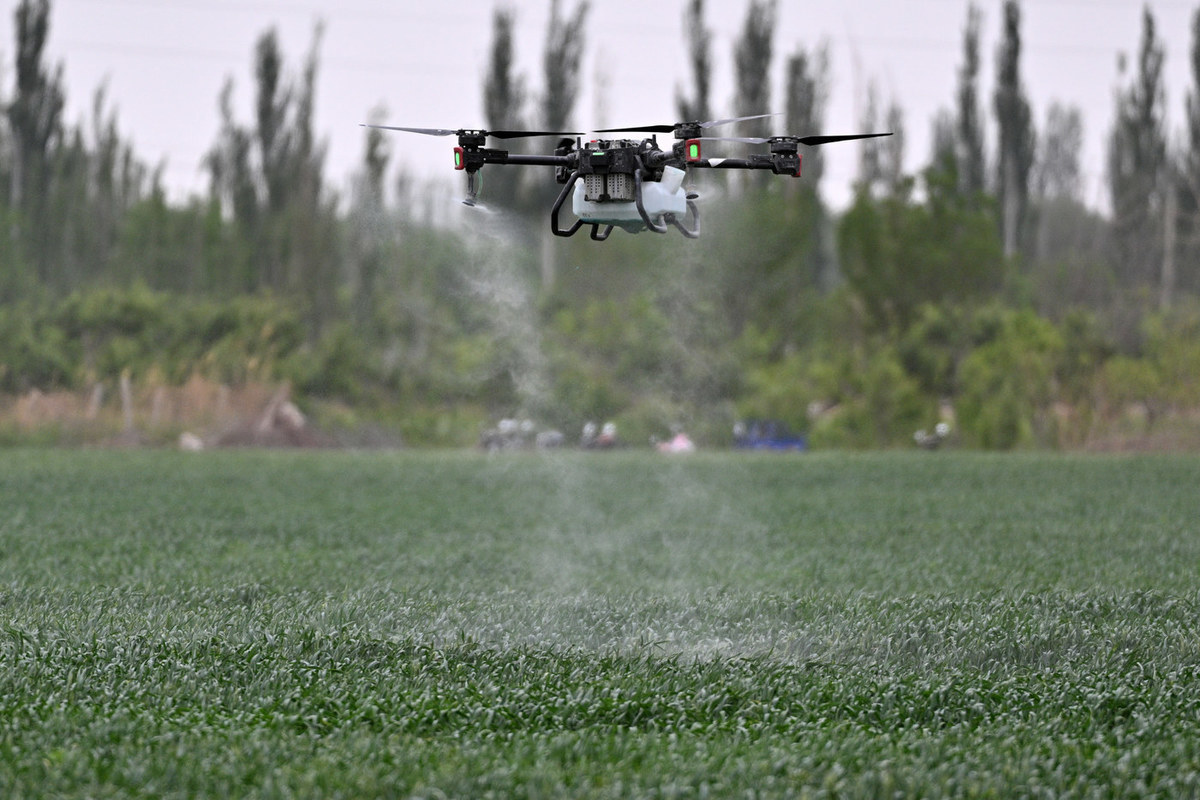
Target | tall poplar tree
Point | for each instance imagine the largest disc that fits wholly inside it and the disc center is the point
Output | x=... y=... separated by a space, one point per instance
x=807 y=95
x=503 y=101
x=1059 y=173
x=368 y=240
x=270 y=177
x=1137 y=160
x=870 y=167
x=969 y=149
x=943 y=148
x=1188 y=259
x=272 y=103
x=1070 y=253
x=891 y=148
x=311 y=212
x=234 y=191
x=561 y=65
x=35 y=124
x=697 y=104
x=881 y=160
x=1014 y=120
x=752 y=61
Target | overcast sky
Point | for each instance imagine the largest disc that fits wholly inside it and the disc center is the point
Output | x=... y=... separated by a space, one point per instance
x=164 y=63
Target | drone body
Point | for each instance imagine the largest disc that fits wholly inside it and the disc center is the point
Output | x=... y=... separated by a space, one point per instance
x=630 y=184
x=612 y=200
x=624 y=184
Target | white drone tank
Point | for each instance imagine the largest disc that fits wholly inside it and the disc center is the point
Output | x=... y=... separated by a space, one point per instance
x=665 y=196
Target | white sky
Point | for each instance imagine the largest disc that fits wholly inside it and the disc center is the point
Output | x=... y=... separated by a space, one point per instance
x=164 y=63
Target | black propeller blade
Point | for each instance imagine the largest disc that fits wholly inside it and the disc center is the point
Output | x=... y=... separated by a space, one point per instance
x=464 y=131
x=672 y=128
x=811 y=141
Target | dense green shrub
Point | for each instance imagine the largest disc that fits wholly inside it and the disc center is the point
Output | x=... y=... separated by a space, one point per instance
x=338 y=366
x=899 y=253
x=99 y=334
x=1008 y=383
x=33 y=353
x=1015 y=379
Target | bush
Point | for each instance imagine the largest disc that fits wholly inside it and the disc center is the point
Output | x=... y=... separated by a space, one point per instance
x=338 y=366
x=33 y=354
x=1007 y=384
x=878 y=403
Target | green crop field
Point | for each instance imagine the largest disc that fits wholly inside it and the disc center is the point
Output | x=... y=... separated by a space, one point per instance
x=268 y=624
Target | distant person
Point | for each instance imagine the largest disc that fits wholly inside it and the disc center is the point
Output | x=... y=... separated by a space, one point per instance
x=587 y=439
x=608 y=436
x=678 y=444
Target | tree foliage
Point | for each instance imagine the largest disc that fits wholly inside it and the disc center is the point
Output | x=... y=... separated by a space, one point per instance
x=269 y=180
x=807 y=89
x=35 y=112
x=1058 y=173
x=697 y=105
x=752 y=60
x=503 y=99
x=1188 y=186
x=881 y=167
x=1137 y=158
x=899 y=253
x=969 y=136
x=1015 y=148
x=856 y=327
x=561 y=64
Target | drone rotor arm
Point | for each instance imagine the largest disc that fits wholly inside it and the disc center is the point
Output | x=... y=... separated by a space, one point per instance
x=530 y=159
x=761 y=162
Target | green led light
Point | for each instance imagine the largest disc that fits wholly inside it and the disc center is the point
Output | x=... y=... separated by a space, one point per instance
x=694 y=151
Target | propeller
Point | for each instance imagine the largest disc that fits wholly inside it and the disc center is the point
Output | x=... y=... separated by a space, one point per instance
x=468 y=132
x=811 y=141
x=672 y=128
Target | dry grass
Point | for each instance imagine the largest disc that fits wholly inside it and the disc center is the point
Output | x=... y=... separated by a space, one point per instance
x=154 y=414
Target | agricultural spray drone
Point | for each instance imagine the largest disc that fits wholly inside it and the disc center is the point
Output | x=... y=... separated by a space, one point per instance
x=625 y=183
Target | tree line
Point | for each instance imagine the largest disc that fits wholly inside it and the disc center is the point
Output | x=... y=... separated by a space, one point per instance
x=980 y=287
